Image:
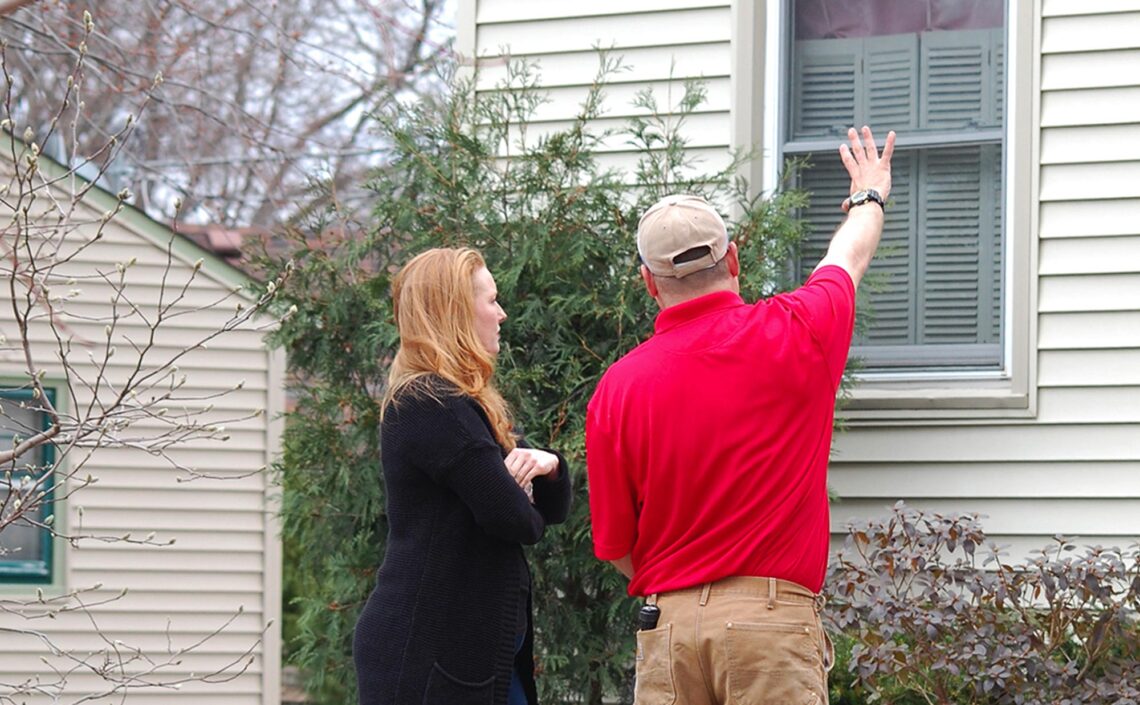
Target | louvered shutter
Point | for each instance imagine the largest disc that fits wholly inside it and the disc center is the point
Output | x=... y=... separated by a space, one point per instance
x=890 y=82
x=826 y=97
x=956 y=84
x=890 y=281
x=949 y=218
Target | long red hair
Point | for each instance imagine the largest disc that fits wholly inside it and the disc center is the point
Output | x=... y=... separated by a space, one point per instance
x=433 y=298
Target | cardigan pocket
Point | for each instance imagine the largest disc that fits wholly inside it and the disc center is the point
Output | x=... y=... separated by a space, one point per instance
x=445 y=689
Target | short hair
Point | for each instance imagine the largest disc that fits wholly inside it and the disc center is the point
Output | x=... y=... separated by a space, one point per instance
x=696 y=282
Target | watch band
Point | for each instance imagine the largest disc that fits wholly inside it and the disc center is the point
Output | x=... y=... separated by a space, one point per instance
x=865 y=196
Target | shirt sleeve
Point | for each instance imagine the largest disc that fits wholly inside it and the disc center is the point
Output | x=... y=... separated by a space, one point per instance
x=827 y=303
x=457 y=450
x=552 y=498
x=613 y=497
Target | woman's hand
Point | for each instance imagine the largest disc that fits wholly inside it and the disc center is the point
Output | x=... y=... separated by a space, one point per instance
x=525 y=464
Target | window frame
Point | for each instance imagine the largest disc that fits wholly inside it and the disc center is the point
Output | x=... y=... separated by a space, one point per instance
x=42 y=571
x=761 y=48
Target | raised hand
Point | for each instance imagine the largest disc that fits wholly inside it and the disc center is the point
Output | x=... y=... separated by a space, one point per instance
x=866 y=167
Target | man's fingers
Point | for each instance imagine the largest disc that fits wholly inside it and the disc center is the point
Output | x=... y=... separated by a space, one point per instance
x=869 y=143
x=856 y=147
x=889 y=147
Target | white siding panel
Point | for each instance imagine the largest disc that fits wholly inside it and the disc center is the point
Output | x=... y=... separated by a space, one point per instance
x=95 y=560
x=1091 y=33
x=1100 y=69
x=1093 y=218
x=1099 y=106
x=1104 y=292
x=1090 y=181
x=1042 y=517
x=1059 y=8
x=1028 y=442
x=143 y=580
x=1068 y=331
x=1108 y=255
x=116 y=520
x=1017 y=480
x=1082 y=405
x=618 y=105
x=642 y=65
x=174 y=498
x=660 y=30
x=1101 y=143
x=705 y=160
x=1102 y=368
x=699 y=131
x=491 y=11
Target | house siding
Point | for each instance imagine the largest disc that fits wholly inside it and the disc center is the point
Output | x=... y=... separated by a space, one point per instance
x=661 y=44
x=1070 y=462
x=225 y=562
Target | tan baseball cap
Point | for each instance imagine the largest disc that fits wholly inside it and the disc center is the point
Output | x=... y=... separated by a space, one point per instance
x=675 y=225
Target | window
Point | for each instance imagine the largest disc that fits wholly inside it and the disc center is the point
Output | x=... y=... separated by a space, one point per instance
x=933 y=71
x=25 y=542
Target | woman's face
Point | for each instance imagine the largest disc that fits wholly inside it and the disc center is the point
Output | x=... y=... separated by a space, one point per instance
x=488 y=313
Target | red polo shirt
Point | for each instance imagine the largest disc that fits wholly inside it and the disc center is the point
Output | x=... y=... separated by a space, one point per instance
x=707 y=445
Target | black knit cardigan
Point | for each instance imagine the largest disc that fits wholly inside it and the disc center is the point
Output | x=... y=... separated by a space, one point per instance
x=440 y=628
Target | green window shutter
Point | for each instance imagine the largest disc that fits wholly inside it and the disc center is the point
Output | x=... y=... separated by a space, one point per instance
x=996 y=202
x=827 y=182
x=957 y=242
x=997 y=83
x=956 y=84
x=890 y=282
x=890 y=82
x=826 y=95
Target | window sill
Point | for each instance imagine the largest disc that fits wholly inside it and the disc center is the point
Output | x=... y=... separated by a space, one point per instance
x=932 y=397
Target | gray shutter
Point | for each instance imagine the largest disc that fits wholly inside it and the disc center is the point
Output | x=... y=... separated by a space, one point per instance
x=890 y=282
x=956 y=87
x=992 y=241
x=827 y=182
x=952 y=217
x=890 y=82
x=826 y=95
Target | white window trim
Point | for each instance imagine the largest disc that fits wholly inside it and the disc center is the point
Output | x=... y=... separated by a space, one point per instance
x=917 y=396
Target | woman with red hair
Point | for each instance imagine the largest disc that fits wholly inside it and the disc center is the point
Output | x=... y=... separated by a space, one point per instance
x=449 y=622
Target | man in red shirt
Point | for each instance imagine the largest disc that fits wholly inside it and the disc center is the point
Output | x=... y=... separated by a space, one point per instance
x=707 y=451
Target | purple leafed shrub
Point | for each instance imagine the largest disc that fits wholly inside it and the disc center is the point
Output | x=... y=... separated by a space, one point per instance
x=939 y=613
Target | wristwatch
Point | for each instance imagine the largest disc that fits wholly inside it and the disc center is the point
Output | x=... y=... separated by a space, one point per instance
x=865 y=196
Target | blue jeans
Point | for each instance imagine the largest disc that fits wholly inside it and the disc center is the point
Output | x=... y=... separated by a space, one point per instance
x=516 y=696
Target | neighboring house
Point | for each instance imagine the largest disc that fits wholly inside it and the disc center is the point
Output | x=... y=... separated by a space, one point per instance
x=1003 y=369
x=226 y=560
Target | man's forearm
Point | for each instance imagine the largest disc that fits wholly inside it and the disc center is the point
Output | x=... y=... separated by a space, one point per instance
x=856 y=240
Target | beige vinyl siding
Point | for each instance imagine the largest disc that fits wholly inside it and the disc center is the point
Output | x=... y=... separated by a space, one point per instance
x=661 y=42
x=225 y=562
x=1074 y=467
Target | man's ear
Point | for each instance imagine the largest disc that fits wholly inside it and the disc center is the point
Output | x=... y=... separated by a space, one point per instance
x=733 y=259
x=650 y=283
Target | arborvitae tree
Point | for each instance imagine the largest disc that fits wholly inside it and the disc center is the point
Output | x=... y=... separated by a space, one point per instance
x=557 y=231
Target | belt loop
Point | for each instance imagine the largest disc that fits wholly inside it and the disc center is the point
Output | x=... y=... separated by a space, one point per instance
x=771 y=593
x=705 y=594
x=651 y=600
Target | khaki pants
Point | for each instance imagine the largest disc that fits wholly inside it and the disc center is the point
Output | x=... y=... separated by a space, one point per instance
x=738 y=641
